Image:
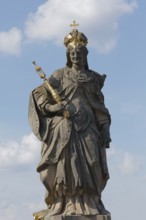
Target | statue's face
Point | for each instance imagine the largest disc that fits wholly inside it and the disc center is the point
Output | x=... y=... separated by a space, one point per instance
x=77 y=57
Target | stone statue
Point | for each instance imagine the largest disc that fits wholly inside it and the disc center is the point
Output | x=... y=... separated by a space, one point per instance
x=73 y=166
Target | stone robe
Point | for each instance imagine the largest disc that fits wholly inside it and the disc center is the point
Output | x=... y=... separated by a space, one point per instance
x=73 y=164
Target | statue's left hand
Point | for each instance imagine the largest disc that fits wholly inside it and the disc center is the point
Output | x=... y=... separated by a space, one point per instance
x=71 y=108
x=106 y=142
x=105 y=135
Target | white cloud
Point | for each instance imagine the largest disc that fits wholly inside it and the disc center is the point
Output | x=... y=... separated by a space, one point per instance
x=111 y=152
x=8 y=213
x=10 y=41
x=130 y=164
x=98 y=20
x=23 y=153
x=14 y=211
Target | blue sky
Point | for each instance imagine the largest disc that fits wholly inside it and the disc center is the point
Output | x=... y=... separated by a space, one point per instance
x=34 y=30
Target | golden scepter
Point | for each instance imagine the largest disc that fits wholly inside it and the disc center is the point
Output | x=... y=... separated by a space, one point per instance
x=53 y=92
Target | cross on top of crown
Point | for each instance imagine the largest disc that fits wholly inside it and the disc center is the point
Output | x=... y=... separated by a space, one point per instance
x=74 y=25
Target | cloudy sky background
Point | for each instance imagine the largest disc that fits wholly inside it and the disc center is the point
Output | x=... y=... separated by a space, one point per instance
x=34 y=30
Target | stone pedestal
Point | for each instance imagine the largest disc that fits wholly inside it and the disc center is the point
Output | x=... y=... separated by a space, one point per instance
x=78 y=217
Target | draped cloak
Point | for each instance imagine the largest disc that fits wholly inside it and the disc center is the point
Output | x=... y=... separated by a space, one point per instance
x=73 y=145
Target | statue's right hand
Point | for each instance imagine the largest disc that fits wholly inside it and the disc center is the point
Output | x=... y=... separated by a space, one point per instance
x=55 y=108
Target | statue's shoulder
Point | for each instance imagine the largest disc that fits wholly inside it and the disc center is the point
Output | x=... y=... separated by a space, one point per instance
x=98 y=78
x=59 y=73
x=38 y=91
x=56 y=78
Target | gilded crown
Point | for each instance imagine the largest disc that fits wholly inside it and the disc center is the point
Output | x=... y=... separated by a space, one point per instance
x=75 y=38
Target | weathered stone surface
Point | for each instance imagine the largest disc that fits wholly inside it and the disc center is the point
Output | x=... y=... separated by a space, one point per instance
x=73 y=165
x=79 y=217
x=72 y=217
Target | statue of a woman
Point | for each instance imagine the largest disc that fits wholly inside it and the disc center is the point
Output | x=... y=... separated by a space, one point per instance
x=73 y=166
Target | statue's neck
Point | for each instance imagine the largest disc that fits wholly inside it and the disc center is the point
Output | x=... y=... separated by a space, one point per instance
x=77 y=69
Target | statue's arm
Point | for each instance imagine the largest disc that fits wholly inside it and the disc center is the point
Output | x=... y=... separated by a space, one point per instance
x=103 y=117
x=41 y=100
x=45 y=103
x=103 y=121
